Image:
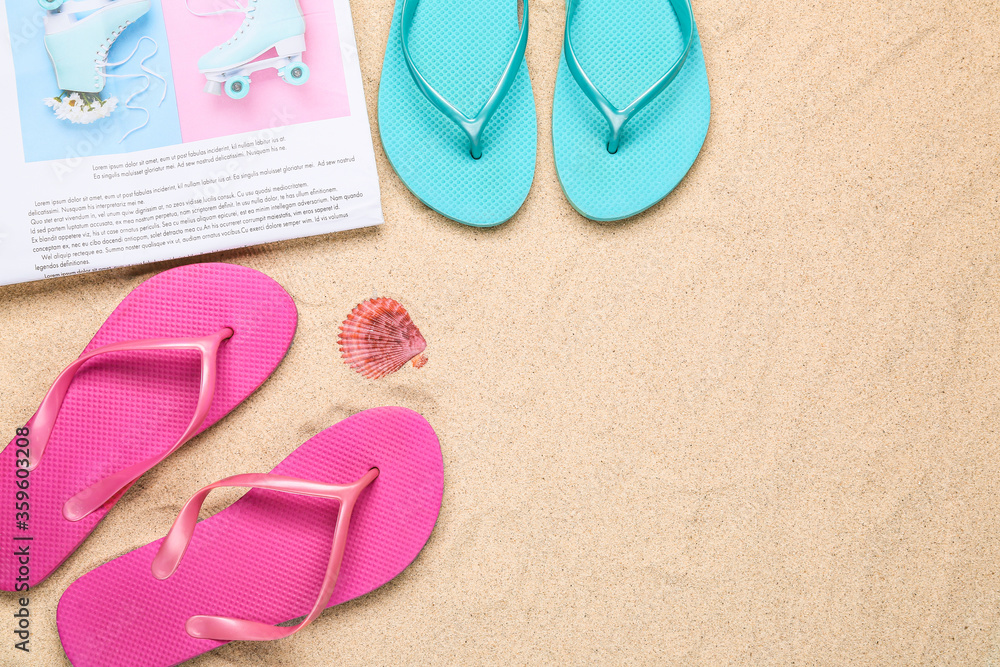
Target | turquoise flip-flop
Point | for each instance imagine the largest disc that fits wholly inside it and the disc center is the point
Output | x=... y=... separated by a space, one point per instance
x=620 y=150
x=455 y=109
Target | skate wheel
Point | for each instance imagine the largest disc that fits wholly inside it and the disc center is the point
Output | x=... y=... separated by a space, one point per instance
x=238 y=87
x=295 y=74
x=50 y=5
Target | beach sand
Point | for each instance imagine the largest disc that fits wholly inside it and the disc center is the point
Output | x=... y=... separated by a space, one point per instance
x=756 y=424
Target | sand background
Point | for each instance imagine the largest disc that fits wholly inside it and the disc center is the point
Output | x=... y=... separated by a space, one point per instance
x=756 y=424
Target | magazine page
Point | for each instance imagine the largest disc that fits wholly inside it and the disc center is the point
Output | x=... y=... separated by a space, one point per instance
x=145 y=130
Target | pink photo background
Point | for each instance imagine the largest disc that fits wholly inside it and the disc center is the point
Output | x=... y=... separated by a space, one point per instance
x=271 y=102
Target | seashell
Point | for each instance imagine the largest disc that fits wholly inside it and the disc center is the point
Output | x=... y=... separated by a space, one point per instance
x=378 y=338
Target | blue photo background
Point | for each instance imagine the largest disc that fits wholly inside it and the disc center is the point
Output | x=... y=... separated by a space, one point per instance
x=48 y=138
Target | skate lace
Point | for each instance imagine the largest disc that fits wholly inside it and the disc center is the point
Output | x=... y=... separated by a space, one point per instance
x=250 y=7
x=103 y=48
x=238 y=8
x=247 y=9
x=146 y=76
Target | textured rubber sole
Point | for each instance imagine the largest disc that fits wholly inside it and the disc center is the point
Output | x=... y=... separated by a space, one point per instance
x=123 y=407
x=462 y=47
x=625 y=47
x=264 y=557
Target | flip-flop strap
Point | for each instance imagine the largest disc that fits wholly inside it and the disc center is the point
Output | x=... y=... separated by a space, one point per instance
x=617 y=118
x=473 y=127
x=223 y=628
x=43 y=421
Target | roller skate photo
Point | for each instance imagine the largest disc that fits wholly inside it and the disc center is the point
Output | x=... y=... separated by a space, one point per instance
x=79 y=47
x=251 y=65
x=93 y=77
x=97 y=77
x=269 y=24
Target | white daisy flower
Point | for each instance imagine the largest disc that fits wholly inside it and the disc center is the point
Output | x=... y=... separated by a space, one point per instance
x=81 y=108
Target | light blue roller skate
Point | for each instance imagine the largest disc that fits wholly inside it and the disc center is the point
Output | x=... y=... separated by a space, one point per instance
x=277 y=24
x=79 y=48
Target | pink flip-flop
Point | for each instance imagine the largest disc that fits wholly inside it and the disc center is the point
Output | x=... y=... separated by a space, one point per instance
x=370 y=486
x=179 y=353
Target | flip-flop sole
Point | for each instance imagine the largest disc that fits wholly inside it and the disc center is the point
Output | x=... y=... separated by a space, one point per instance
x=461 y=47
x=264 y=557
x=625 y=47
x=124 y=407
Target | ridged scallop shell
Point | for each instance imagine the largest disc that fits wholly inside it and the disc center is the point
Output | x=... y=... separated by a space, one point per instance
x=378 y=338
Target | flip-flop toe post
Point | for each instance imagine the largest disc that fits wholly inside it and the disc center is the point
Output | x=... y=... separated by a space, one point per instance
x=456 y=111
x=179 y=353
x=343 y=514
x=631 y=108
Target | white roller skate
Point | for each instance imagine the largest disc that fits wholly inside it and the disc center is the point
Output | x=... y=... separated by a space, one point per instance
x=267 y=24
